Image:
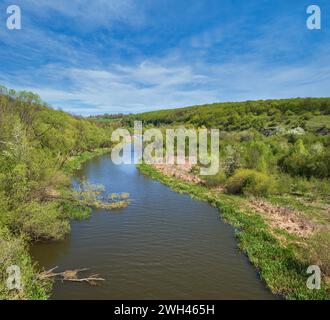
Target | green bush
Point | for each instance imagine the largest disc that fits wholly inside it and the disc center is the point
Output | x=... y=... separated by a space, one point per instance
x=250 y=182
x=14 y=252
x=284 y=183
x=215 y=180
x=301 y=186
x=41 y=221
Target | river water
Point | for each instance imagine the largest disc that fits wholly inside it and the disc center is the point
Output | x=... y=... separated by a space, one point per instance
x=164 y=245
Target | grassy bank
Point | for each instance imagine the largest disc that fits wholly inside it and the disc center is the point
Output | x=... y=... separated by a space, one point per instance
x=279 y=263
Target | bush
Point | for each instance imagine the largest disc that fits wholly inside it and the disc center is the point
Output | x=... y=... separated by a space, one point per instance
x=284 y=183
x=301 y=186
x=215 y=180
x=41 y=221
x=14 y=252
x=250 y=182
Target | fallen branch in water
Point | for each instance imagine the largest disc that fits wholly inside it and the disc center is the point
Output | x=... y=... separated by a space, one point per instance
x=70 y=275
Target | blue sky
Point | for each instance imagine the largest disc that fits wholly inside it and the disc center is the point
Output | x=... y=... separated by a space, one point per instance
x=93 y=57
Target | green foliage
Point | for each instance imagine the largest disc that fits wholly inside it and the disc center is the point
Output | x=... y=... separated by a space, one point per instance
x=238 y=116
x=319 y=124
x=257 y=156
x=215 y=180
x=271 y=136
x=36 y=143
x=13 y=251
x=232 y=159
x=313 y=161
x=41 y=221
x=250 y=182
x=267 y=148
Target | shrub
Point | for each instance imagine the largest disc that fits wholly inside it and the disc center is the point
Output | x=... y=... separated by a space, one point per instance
x=250 y=182
x=301 y=186
x=284 y=184
x=232 y=160
x=215 y=180
x=14 y=251
x=257 y=156
x=41 y=221
x=306 y=162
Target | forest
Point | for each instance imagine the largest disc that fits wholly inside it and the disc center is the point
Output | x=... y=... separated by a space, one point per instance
x=37 y=145
x=273 y=136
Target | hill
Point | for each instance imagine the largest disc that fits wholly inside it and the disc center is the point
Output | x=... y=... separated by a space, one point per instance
x=309 y=113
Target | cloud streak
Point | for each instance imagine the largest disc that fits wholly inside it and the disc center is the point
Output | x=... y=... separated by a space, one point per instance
x=149 y=85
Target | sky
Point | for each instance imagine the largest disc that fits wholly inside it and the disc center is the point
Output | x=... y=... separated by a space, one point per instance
x=130 y=56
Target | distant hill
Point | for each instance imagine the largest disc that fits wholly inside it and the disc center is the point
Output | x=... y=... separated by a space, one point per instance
x=311 y=114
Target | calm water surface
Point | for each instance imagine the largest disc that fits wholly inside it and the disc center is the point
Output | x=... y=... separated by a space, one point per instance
x=163 y=246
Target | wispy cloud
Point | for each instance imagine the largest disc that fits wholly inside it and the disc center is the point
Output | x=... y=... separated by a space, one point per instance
x=148 y=86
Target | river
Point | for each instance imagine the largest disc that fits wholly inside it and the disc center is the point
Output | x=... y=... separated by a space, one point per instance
x=164 y=245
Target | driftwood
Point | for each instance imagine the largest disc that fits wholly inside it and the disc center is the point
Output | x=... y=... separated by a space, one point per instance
x=70 y=275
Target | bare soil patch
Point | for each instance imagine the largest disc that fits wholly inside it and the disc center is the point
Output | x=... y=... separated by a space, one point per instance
x=283 y=218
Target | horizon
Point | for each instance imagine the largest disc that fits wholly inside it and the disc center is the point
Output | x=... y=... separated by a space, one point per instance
x=202 y=105
x=138 y=57
x=165 y=108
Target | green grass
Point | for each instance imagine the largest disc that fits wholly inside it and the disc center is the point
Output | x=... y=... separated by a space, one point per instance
x=279 y=266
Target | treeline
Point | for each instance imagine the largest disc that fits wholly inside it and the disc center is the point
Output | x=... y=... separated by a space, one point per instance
x=312 y=114
x=36 y=143
x=291 y=163
x=266 y=147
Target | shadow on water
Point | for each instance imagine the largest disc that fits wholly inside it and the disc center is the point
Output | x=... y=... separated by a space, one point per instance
x=163 y=246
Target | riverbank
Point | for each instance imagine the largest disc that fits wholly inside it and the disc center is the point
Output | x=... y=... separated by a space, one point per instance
x=74 y=163
x=276 y=253
x=54 y=224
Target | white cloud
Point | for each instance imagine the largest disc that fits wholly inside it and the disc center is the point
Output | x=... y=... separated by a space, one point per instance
x=151 y=85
